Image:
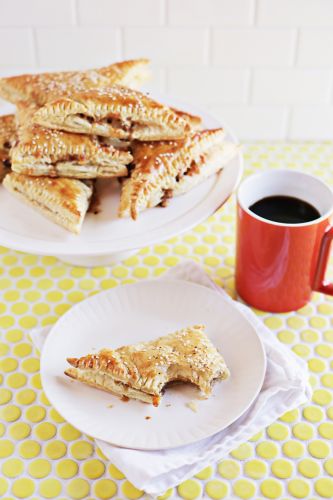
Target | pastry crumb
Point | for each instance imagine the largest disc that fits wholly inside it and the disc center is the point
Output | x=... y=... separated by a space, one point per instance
x=125 y=399
x=109 y=406
x=192 y=405
x=147 y=418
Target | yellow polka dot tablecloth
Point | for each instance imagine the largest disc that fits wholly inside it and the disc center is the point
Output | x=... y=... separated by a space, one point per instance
x=42 y=456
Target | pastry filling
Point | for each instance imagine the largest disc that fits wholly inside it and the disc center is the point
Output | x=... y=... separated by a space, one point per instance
x=126 y=129
x=119 y=144
x=195 y=166
x=210 y=156
x=111 y=122
x=7 y=163
x=167 y=195
x=107 y=382
x=5 y=166
x=193 y=169
x=86 y=160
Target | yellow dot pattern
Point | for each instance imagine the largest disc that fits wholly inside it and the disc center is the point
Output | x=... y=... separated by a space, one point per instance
x=43 y=456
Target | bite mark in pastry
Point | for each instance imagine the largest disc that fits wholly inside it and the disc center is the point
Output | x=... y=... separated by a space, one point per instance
x=7 y=140
x=63 y=201
x=116 y=112
x=43 y=87
x=143 y=370
x=41 y=151
x=165 y=169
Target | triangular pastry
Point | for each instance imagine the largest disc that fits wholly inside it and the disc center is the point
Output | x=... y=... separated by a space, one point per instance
x=43 y=87
x=41 y=151
x=165 y=169
x=8 y=138
x=61 y=154
x=63 y=201
x=143 y=370
x=116 y=112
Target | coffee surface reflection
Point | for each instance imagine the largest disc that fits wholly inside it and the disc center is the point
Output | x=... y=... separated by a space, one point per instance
x=285 y=209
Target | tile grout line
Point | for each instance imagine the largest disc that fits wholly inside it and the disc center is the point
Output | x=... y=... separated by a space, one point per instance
x=255 y=13
x=75 y=13
x=164 y=15
x=209 y=47
x=288 y=124
x=295 y=54
x=121 y=40
x=35 y=46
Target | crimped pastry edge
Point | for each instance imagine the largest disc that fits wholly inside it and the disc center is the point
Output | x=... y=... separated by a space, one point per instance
x=115 y=387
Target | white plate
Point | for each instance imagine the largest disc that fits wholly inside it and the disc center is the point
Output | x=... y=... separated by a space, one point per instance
x=145 y=311
x=22 y=228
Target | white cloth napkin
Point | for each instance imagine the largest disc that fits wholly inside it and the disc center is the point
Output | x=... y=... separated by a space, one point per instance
x=285 y=387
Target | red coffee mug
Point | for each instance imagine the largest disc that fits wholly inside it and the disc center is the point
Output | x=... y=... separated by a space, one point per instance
x=279 y=265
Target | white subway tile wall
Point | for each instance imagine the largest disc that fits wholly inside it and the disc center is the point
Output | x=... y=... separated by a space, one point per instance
x=120 y=12
x=36 y=13
x=82 y=47
x=263 y=66
x=17 y=47
x=253 y=47
x=230 y=85
x=165 y=45
x=255 y=122
x=316 y=47
x=291 y=86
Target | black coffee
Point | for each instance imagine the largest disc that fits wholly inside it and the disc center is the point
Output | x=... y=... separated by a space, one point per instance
x=285 y=209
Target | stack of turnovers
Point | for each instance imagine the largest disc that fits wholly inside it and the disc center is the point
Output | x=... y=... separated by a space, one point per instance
x=71 y=128
x=142 y=371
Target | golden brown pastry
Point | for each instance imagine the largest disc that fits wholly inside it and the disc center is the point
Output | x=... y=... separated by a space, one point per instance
x=165 y=169
x=213 y=158
x=117 y=112
x=194 y=121
x=53 y=153
x=43 y=87
x=142 y=371
x=63 y=201
x=24 y=112
x=7 y=140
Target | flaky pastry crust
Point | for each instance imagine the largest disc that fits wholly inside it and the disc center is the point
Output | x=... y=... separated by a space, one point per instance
x=63 y=201
x=143 y=370
x=43 y=87
x=41 y=151
x=194 y=121
x=165 y=169
x=114 y=112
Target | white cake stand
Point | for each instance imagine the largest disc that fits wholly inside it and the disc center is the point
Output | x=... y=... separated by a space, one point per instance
x=106 y=239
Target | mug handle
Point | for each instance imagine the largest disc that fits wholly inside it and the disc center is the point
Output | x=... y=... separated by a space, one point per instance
x=320 y=285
